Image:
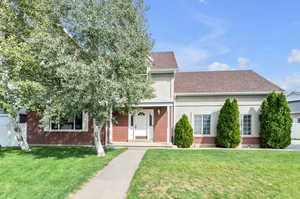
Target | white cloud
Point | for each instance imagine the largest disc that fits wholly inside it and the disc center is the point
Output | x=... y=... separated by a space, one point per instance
x=290 y=82
x=194 y=54
x=294 y=56
x=218 y=66
x=243 y=62
x=203 y=1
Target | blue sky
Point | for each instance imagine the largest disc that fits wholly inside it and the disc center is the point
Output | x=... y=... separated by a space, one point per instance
x=262 y=35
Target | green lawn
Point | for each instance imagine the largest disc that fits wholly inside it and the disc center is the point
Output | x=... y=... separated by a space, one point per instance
x=217 y=174
x=48 y=172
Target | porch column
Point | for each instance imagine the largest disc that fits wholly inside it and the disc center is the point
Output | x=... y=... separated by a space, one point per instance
x=110 y=127
x=168 y=128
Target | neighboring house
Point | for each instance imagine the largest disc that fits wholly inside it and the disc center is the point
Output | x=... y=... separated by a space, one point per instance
x=7 y=133
x=294 y=103
x=199 y=95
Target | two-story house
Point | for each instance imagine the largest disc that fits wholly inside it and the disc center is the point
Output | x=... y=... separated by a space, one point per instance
x=199 y=95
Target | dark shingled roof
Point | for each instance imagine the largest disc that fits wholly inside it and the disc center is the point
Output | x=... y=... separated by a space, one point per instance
x=163 y=60
x=222 y=81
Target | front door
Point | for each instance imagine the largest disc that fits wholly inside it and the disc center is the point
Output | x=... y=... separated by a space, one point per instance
x=140 y=128
x=141 y=125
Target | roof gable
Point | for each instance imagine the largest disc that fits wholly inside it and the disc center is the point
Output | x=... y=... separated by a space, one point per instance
x=163 y=60
x=222 y=82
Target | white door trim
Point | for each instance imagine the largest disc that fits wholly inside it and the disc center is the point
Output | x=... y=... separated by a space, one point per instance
x=149 y=129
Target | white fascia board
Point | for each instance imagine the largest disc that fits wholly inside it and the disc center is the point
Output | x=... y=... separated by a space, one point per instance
x=223 y=93
x=163 y=71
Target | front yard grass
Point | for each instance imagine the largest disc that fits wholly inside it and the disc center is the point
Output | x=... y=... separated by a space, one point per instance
x=188 y=174
x=48 y=172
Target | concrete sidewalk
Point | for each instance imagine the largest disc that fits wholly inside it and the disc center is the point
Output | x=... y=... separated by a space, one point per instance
x=113 y=181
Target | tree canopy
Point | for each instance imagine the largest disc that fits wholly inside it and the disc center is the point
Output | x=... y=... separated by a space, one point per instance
x=61 y=58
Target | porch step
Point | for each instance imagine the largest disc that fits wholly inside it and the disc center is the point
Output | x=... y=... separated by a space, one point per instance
x=142 y=144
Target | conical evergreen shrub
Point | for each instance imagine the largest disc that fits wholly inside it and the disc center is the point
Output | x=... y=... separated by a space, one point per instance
x=228 y=127
x=183 y=133
x=275 y=122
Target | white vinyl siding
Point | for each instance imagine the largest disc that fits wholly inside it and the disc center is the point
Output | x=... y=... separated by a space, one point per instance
x=202 y=124
x=246 y=122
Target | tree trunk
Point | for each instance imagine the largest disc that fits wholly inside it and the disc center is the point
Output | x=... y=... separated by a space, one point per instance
x=97 y=138
x=19 y=136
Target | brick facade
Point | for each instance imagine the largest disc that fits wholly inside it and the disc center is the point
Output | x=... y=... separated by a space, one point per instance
x=120 y=129
x=212 y=140
x=36 y=135
x=160 y=124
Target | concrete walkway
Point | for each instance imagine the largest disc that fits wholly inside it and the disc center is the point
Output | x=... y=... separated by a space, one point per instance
x=113 y=181
x=295 y=145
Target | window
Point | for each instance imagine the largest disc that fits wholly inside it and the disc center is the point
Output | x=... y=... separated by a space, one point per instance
x=298 y=120
x=68 y=124
x=246 y=124
x=202 y=124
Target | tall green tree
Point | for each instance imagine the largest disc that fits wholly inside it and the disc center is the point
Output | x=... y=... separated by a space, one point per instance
x=228 y=127
x=86 y=56
x=275 y=122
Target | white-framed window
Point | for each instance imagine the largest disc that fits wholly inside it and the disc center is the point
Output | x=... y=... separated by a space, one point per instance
x=298 y=120
x=202 y=124
x=246 y=123
x=74 y=124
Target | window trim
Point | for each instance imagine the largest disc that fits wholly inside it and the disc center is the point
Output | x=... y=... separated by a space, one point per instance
x=242 y=125
x=202 y=126
x=48 y=129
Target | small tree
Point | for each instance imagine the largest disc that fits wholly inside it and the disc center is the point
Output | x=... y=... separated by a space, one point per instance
x=228 y=128
x=275 y=122
x=183 y=133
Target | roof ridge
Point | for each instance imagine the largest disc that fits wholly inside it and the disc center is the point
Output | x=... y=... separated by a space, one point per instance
x=212 y=71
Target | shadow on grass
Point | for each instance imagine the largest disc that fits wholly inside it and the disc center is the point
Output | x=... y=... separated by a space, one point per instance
x=54 y=152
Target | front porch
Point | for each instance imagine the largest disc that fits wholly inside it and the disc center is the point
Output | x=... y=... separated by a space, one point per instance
x=147 y=126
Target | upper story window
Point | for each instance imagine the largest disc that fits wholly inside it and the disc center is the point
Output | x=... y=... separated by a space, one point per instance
x=202 y=124
x=246 y=121
x=75 y=123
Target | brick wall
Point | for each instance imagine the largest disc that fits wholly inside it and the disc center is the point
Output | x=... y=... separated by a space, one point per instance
x=160 y=124
x=36 y=135
x=212 y=140
x=120 y=129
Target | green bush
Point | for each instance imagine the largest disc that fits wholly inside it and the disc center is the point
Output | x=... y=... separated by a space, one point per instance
x=228 y=128
x=183 y=133
x=275 y=122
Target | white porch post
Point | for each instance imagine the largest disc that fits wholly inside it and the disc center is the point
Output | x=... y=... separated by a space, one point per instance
x=110 y=127
x=168 y=128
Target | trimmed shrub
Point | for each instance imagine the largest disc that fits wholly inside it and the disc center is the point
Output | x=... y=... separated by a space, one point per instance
x=183 y=133
x=228 y=128
x=275 y=122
